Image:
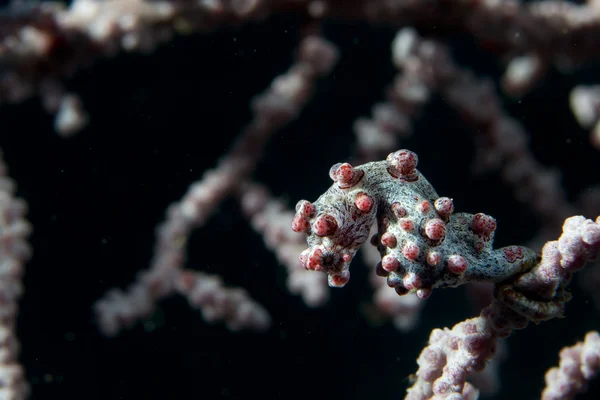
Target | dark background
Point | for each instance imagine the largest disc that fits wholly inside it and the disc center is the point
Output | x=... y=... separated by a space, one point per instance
x=158 y=122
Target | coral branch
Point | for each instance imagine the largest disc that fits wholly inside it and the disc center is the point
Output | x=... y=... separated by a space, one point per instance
x=578 y=364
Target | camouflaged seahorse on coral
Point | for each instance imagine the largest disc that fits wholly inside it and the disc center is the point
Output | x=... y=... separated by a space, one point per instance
x=422 y=242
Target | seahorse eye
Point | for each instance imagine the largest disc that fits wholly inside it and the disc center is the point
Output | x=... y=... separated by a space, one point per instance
x=328 y=259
